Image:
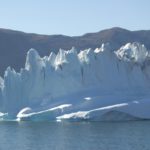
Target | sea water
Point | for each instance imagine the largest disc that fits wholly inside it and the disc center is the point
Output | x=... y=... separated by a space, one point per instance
x=131 y=135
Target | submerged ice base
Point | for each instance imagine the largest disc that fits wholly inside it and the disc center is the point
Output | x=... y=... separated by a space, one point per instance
x=100 y=84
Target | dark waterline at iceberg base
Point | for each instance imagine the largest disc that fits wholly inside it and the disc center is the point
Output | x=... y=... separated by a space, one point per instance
x=75 y=136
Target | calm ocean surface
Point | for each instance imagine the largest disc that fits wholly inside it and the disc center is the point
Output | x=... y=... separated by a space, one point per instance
x=134 y=135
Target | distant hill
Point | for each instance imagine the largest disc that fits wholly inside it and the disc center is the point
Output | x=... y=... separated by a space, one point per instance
x=15 y=44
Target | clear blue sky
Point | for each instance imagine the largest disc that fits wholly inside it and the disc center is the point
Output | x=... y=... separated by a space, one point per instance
x=73 y=17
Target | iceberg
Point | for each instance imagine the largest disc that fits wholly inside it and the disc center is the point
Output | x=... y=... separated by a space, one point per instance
x=94 y=85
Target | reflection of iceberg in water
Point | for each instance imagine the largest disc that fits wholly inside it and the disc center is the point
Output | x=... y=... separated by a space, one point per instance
x=92 y=85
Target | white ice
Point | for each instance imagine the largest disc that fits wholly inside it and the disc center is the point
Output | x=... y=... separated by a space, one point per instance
x=99 y=84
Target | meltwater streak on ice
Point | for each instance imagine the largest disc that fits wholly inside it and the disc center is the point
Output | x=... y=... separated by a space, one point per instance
x=56 y=87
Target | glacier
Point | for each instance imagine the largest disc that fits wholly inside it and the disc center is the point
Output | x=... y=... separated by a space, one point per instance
x=92 y=85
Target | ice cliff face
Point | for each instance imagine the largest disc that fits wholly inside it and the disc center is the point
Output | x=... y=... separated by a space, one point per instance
x=85 y=85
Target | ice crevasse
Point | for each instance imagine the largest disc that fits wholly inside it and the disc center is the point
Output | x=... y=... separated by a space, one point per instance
x=95 y=85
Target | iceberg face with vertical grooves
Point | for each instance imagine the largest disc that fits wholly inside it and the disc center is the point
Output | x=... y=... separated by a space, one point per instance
x=91 y=84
